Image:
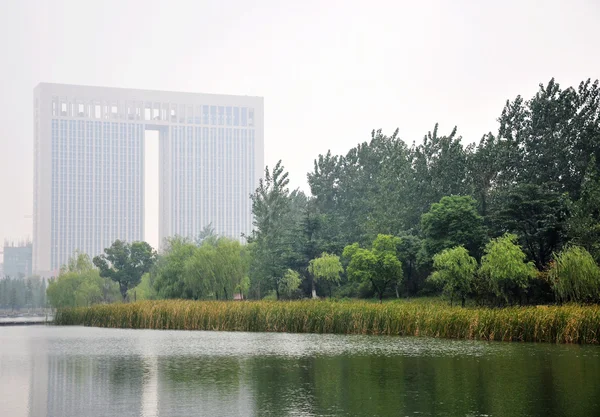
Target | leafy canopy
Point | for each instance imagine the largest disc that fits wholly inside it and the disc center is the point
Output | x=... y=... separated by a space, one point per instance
x=575 y=276
x=378 y=266
x=505 y=267
x=454 y=271
x=125 y=263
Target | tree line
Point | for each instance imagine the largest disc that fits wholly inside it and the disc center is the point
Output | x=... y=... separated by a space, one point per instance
x=21 y=293
x=514 y=218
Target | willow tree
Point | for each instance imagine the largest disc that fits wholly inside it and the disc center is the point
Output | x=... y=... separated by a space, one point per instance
x=326 y=267
x=575 y=276
x=455 y=271
x=505 y=268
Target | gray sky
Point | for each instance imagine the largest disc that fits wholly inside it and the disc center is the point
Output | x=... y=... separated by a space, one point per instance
x=330 y=71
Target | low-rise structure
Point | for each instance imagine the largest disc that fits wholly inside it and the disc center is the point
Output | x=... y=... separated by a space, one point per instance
x=17 y=259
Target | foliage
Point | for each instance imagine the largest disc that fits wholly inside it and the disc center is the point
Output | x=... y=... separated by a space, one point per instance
x=326 y=267
x=18 y=293
x=80 y=284
x=454 y=271
x=537 y=215
x=216 y=268
x=273 y=222
x=584 y=224
x=505 y=267
x=168 y=273
x=378 y=266
x=125 y=263
x=575 y=276
x=453 y=221
x=288 y=284
x=144 y=290
x=556 y=324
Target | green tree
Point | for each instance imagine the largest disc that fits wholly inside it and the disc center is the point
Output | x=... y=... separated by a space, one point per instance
x=584 y=224
x=326 y=267
x=144 y=290
x=537 y=215
x=548 y=140
x=288 y=285
x=453 y=221
x=505 y=267
x=575 y=276
x=80 y=284
x=439 y=169
x=408 y=251
x=273 y=226
x=169 y=281
x=454 y=270
x=125 y=263
x=378 y=266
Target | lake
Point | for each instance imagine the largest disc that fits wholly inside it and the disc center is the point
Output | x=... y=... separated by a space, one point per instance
x=81 y=371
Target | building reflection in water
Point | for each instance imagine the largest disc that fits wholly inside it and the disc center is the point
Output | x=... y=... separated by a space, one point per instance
x=140 y=384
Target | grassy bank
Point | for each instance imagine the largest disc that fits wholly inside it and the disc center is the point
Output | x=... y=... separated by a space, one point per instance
x=554 y=324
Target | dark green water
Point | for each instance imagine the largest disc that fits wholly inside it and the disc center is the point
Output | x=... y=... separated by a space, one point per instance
x=77 y=371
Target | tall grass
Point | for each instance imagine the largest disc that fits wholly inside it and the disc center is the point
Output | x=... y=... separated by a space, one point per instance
x=554 y=324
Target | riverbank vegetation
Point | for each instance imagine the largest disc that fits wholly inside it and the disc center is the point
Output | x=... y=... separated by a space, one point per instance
x=511 y=220
x=554 y=324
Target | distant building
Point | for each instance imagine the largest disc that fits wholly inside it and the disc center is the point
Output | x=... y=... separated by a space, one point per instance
x=17 y=259
x=89 y=145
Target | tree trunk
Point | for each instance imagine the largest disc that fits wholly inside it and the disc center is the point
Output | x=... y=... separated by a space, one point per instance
x=397 y=293
x=312 y=287
x=123 y=289
x=380 y=297
x=463 y=301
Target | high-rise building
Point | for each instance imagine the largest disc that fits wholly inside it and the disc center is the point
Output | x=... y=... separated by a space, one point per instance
x=89 y=166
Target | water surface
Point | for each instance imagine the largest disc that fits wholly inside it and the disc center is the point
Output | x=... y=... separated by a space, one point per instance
x=78 y=371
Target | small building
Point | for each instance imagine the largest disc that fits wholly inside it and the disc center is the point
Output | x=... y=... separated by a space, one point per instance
x=17 y=259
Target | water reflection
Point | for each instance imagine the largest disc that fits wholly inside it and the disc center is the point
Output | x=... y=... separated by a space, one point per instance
x=53 y=371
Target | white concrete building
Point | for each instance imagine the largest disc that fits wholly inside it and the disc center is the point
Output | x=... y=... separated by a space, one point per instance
x=89 y=166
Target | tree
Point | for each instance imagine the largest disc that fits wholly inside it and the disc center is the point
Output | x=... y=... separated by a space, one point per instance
x=125 y=263
x=452 y=222
x=439 y=169
x=79 y=284
x=169 y=281
x=408 y=251
x=549 y=139
x=584 y=224
x=575 y=276
x=537 y=215
x=454 y=271
x=288 y=285
x=326 y=267
x=273 y=226
x=378 y=266
x=505 y=267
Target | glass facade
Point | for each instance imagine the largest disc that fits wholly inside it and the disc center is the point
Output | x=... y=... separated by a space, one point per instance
x=211 y=156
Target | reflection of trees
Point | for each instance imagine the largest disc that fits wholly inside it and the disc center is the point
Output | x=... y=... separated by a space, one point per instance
x=203 y=386
x=520 y=381
x=508 y=379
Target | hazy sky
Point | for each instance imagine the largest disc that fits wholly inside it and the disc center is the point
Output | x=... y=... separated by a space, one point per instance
x=329 y=71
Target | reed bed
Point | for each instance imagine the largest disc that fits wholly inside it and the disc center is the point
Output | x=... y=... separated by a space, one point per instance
x=552 y=324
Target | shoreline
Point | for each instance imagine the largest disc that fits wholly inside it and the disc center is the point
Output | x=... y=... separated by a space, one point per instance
x=575 y=324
